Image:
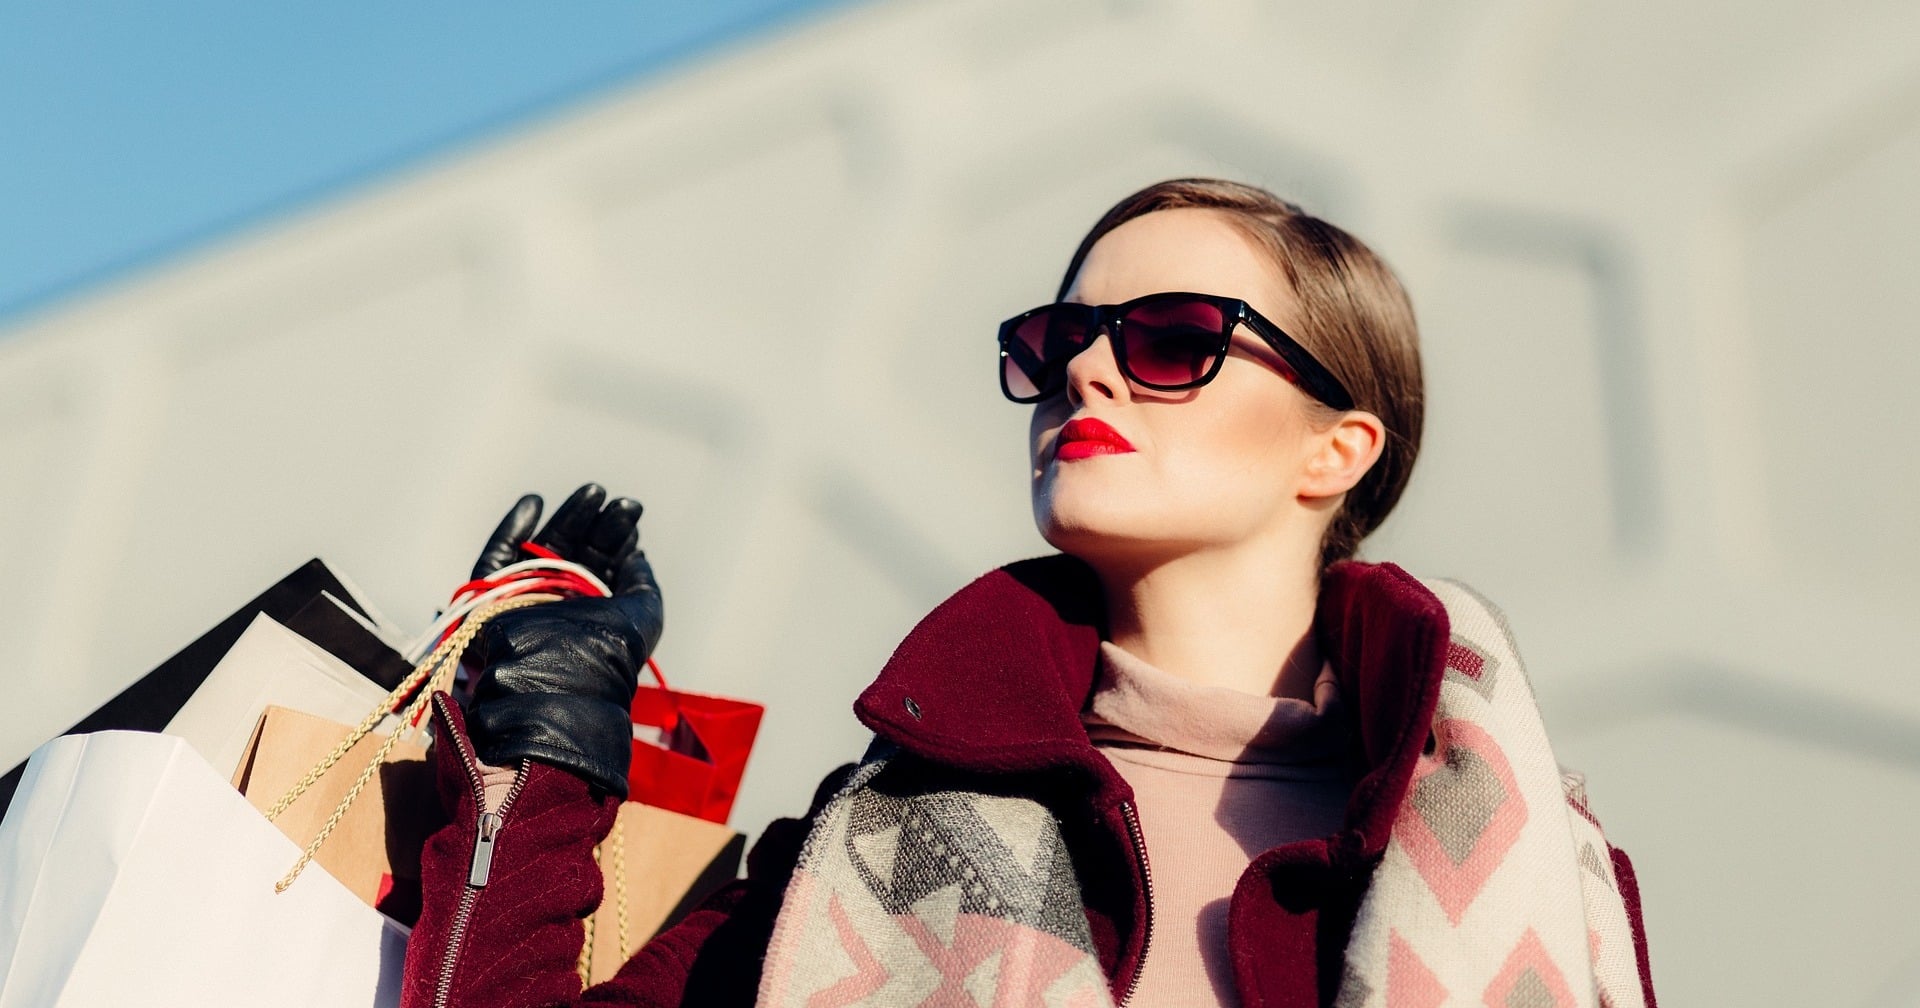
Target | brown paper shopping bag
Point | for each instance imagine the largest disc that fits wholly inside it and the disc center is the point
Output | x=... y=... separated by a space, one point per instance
x=374 y=849
x=656 y=866
x=355 y=763
x=367 y=829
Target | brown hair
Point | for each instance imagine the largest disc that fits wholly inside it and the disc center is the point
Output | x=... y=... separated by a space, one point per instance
x=1355 y=318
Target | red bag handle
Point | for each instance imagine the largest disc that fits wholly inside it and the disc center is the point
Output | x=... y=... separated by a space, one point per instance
x=673 y=699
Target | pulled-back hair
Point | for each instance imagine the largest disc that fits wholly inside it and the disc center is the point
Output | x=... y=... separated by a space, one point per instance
x=1355 y=318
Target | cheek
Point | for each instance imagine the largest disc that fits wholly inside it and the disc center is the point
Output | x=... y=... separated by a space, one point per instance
x=1236 y=474
x=1253 y=442
x=1047 y=419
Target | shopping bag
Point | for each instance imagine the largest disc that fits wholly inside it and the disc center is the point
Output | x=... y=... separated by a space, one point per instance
x=655 y=866
x=341 y=778
x=268 y=666
x=374 y=849
x=690 y=749
x=311 y=600
x=133 y=874
x=348 y=631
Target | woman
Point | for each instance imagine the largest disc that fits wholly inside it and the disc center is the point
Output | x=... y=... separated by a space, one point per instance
x=1200 y=757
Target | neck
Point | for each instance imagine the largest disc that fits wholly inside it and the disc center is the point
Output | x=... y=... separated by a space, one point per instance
x=1240 y=618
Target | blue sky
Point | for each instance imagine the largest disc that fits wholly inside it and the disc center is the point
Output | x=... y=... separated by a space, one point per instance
x=131 y=132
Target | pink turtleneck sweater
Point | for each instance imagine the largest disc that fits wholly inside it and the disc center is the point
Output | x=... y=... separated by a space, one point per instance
x=1219 y=777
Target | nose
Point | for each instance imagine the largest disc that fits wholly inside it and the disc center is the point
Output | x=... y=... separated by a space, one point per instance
x=1093 y=373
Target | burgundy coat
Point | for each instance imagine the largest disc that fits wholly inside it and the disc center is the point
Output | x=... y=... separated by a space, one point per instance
x=988 y=688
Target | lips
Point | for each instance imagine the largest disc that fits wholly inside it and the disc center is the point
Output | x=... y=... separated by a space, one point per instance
x=1087 y=437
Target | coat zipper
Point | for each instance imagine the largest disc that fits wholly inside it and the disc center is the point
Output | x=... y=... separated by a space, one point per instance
x=1139 y=840
x=486 y=833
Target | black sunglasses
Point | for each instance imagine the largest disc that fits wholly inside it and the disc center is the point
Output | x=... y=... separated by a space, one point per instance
x=1166 y=342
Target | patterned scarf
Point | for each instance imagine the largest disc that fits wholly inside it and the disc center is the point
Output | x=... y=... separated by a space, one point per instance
x=1496 y=887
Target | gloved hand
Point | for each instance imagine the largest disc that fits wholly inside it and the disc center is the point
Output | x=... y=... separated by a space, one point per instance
x=557 y=680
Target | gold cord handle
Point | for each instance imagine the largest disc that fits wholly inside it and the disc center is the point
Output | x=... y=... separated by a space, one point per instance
x=435 y=673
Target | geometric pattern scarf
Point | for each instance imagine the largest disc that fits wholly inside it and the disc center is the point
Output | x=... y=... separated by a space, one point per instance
x=1496 y=888
x=932 y=898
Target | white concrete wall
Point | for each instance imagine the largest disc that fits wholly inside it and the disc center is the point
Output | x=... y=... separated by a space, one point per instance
x=1663 y=256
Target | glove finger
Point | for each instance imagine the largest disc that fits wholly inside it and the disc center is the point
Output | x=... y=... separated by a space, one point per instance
x=609 y=571
x=567 y=529
x=614 y=533
x=503 y=546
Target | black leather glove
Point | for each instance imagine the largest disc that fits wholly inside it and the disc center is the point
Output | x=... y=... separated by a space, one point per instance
x=557 y=680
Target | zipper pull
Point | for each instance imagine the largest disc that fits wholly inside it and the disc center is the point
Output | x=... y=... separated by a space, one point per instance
x=483 y=849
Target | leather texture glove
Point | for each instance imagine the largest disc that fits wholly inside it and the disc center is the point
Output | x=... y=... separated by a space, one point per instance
x=557 y=680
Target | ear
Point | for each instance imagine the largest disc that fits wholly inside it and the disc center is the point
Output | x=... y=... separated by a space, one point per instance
x=1344 y=453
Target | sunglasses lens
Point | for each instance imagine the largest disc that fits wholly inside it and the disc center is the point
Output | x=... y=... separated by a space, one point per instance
x=1039 y=346
x=1174 y=343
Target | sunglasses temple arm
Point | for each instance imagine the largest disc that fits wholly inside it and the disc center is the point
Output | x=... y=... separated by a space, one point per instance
x=1314 y=376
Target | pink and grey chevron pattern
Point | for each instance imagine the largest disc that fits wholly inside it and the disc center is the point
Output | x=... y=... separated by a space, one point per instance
x=1463 y=816
x=1494 y=891
x=951 y=898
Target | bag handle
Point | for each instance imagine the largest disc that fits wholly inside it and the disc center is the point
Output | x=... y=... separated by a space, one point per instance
x=615 y=847
x=434 y=673
x=617 y=842
x=673 y=698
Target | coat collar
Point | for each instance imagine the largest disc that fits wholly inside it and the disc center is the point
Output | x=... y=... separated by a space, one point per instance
x=995 y=678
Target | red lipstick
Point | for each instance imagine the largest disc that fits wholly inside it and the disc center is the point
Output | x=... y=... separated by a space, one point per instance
x=1087 y=437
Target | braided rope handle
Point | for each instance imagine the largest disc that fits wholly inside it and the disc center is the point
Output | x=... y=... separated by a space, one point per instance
x=620 y=886
x=435 y=672
x=618 y=852
x=584 y=964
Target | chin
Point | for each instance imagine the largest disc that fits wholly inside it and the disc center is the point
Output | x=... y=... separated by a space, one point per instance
x=1105 y=535
x=1065 y=516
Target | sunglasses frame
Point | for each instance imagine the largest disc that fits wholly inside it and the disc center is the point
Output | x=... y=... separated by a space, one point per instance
x=1309 y=375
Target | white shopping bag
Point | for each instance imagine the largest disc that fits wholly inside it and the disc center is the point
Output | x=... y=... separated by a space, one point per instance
x=131 y=873
x=269 y=665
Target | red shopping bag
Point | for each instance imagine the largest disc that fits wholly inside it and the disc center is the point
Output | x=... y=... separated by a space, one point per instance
x=690 y=749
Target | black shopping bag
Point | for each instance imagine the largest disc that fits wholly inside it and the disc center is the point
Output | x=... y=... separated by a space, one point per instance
x=312 y=601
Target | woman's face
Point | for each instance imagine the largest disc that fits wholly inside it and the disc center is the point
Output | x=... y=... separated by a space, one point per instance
x=1210 y=468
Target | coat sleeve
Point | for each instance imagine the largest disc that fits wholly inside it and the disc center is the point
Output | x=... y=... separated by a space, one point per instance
x=513 y=939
